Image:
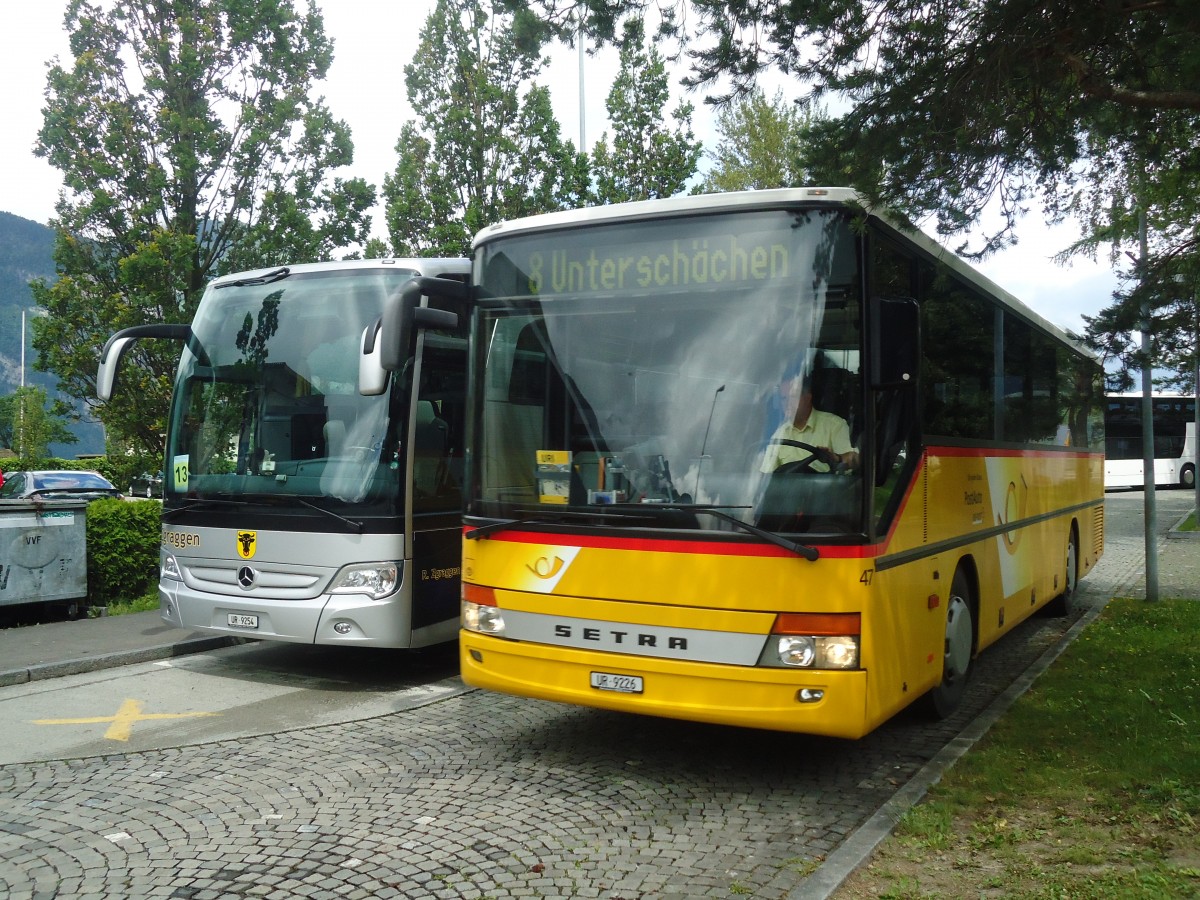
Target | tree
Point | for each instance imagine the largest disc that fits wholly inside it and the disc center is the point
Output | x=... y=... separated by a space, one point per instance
x=951 y=108
x=1149 y=206
x=646 y=160
x=951 y=105
x=761 y=144
x=29 y=428
x=486 y=145
x=191 y=142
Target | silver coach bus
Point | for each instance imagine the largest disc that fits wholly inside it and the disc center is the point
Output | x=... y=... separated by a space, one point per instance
x=314 y=454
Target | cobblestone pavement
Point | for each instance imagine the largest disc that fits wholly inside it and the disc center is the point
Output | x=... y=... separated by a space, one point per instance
x=478 y=796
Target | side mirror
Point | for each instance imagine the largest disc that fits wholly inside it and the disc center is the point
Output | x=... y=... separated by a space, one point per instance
x=402 y=313
x=372 y=376
x=115 y=347
x=894 y=342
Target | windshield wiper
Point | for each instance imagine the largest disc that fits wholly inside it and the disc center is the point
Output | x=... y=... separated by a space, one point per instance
x=809 y=553
x=199 y=504
x=356 y=527
x=277 y=275
x=645 y=511
x=270 y=500
x=557 y=518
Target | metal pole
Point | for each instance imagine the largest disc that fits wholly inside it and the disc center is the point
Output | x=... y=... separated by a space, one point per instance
x=1196 y=423
x=582 y=117
x=1148 y=479
x=21 y=401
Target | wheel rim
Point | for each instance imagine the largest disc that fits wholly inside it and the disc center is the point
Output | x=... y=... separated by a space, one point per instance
x=958 y=640
x=1071 y=566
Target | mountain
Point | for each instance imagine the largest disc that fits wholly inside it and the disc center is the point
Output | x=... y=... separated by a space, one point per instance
x=26 y=252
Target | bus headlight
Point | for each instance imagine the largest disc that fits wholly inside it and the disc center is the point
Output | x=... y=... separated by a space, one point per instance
x=819 y=651
x=797 y=651
x=376 y=580
x=482 y=619
x=814 y=641
x=839 y=651
x=170 y=568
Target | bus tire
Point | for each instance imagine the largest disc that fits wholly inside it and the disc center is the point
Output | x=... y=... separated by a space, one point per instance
x=1064 y=603
x=958 y=649
x=1187 y=476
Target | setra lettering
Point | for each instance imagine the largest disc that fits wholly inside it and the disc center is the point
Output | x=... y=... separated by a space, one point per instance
x=595 y=635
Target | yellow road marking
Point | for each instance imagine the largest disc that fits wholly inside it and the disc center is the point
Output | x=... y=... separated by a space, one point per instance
x=122 y=722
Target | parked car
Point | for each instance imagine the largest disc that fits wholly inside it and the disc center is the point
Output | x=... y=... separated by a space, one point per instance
x=57 y=484
x=146 y=485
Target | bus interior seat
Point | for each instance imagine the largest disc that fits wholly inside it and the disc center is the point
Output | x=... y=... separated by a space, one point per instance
x=835 y=390
x=429 y=448
x=335 y=437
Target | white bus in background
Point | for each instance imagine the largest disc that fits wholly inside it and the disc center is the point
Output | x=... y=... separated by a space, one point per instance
x=1174 y=417
x=314 y=453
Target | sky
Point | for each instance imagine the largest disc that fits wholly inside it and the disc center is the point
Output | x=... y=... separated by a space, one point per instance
x=365 y=88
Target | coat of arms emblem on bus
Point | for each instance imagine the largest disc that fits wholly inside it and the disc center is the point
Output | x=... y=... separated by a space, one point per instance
x=246 y=541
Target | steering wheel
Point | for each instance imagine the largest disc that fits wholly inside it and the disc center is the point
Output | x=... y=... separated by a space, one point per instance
x=819 y=454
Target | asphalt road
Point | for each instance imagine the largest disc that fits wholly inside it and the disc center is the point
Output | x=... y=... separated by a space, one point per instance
x=305 y=779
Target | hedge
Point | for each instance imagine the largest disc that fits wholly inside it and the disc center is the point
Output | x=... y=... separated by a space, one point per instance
x=122 y=549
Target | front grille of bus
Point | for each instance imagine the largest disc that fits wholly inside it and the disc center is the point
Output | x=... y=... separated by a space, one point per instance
x=277 y=583
x=1098 y=530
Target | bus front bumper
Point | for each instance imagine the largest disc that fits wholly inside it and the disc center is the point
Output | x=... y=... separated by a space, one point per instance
x=757 y=697
x=363 y=622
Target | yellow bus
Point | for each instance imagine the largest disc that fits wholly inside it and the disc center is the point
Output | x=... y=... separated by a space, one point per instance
x=765 y=459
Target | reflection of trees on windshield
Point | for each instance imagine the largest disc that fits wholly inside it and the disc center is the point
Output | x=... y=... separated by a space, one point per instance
x=221 y=407
x=253 y=337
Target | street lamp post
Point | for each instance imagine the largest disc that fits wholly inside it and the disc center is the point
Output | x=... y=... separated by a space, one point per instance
x=22 y=398
x=21 y=395
x=1196 y=407
x=1150 y=505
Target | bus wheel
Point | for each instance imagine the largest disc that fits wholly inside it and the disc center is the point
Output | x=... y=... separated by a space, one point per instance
x=959 y=646
x=1187 y=477
x=1065 y=602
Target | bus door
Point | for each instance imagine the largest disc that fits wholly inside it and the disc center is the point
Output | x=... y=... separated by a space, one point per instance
x=436 y=437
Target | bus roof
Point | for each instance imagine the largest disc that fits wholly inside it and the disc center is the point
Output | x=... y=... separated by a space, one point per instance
x=734 y=201
x=429 y=265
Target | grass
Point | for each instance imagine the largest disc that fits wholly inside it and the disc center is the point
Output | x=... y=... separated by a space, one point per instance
x=146 y=601
x=1188 y=524
x=1088 y=787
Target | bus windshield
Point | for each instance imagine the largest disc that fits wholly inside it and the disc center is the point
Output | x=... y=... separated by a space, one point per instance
x=266 y=400
x=665 y=374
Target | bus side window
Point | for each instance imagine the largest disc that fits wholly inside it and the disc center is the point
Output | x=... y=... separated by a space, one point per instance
x=438 y=440
x=892 y=273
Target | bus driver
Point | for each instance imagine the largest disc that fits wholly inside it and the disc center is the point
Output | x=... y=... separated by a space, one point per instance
x=803 y=422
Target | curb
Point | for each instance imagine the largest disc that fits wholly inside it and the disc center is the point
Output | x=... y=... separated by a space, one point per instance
x=1175 y=534
x=46 y=671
